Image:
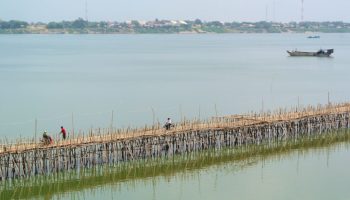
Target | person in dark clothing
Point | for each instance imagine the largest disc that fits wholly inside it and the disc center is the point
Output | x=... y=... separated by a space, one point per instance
x=63 y=132
x=47 y=139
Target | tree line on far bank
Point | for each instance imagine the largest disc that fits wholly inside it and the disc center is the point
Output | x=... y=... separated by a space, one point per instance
x=170 y=26
x=17 y=24
x=76 y=24
x=13 y=24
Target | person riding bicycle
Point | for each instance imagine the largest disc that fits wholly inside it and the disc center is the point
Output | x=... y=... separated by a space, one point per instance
x=47 y=139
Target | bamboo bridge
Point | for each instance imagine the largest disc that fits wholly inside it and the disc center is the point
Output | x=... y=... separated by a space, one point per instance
x=113 y=146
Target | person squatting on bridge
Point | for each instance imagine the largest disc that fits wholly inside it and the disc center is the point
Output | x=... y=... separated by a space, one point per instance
x=168 y=124
x=63 y=132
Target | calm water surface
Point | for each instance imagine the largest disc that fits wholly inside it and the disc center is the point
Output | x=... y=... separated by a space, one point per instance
x=319 y=173
x=314 y=175
x=57 y=78
x=52 y=77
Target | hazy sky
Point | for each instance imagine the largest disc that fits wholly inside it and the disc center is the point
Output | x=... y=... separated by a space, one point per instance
x=222 y=10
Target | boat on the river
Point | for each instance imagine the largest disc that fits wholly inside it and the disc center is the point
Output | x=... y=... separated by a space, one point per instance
x=314 y=37
x=319 y=53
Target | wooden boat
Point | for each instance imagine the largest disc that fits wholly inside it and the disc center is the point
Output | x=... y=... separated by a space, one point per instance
x=320 y=53
x=313 y=37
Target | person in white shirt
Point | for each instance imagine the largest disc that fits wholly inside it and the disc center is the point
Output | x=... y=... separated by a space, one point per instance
x=168 y=124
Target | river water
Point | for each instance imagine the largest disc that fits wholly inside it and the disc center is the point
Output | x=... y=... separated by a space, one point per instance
x=321 y=174
x=78 y=80
x=309 y=169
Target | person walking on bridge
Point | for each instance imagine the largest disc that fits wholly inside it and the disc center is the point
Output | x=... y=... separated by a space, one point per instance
x=168 y=124
x=63 y=132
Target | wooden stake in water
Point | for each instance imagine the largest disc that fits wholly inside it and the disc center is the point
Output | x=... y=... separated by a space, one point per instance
x=112 y=121
x=72 y=125
x=154 y=117
x=180 y=108
x=36 y=130
x=199 y=112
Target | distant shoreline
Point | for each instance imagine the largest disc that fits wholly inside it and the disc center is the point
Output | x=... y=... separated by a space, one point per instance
x=173 y=33
x=81 y=26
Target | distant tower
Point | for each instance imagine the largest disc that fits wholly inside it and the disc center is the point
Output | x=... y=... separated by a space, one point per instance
x=302 y=10
x=274 y=11
x=86 y=10
x=266 y=12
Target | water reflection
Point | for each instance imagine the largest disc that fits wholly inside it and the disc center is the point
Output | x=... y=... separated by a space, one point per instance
x=200 y=175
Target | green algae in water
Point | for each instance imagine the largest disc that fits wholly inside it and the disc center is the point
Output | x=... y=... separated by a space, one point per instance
x=56 y=185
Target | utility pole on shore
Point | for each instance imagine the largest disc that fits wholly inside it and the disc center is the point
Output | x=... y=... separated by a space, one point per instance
x=86 y=10
x=302 y=10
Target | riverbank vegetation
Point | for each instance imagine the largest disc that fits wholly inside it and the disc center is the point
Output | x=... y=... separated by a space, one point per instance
x=81 y=26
